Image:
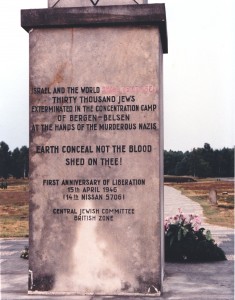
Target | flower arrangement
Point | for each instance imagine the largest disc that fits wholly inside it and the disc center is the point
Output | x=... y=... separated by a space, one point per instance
x=25 y=253
x=185 y=240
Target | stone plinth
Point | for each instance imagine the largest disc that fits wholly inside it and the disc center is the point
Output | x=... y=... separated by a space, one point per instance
x=96 y=150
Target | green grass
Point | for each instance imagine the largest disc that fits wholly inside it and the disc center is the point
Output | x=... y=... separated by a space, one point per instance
x=14 y=209
x=221 y=214
x=13 y=226
x=216 y=215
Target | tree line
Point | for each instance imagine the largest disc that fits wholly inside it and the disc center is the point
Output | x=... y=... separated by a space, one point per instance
x=14 y=163
x=200 y=162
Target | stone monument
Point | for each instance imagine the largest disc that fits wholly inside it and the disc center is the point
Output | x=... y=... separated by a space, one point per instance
x=96 y=147
x=213 y=197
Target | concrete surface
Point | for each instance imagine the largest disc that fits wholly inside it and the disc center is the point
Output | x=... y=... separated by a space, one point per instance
x=192 y=281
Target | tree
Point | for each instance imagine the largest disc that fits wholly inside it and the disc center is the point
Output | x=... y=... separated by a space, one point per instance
x=20 y=162
x=171 y=158
x=15 y=163
x=200 y=162
x=24 y=153
x=182 y=167
x=4 y=160
x=227 y=162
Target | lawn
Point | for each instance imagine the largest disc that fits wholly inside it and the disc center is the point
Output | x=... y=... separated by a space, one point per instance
x=221 y=214
x=14 y=209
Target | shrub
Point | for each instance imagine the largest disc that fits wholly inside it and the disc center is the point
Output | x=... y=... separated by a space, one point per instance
x=185 y=240
x=25 y=253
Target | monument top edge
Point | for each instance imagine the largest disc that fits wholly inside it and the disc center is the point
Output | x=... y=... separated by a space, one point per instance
x=81 y=3
x=119 y=15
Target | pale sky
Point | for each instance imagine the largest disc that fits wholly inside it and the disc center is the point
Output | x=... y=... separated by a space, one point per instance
x=199 y=74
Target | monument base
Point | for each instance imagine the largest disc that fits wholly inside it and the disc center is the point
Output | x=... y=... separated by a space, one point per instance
x=157 y=294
